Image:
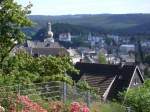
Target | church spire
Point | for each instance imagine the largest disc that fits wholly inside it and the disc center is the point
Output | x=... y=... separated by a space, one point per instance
x=49 y=36
x=49 y=28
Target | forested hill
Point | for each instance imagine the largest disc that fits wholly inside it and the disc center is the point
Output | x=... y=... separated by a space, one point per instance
x=58 y=28
x=111 y=23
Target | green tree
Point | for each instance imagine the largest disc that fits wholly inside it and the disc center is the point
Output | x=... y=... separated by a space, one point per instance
x=147 y=72
x=13 y=17
x=139 y=98
x=23 y=68
x=102 y=58
x=147 y=59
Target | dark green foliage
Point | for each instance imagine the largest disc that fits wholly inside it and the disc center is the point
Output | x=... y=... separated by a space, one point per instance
x=139 y=98
x=24 y=69
x=147 y=59
x=105 y=23
x=80 y=41
x=73 y=29
x=112 y=107
x=147 y=72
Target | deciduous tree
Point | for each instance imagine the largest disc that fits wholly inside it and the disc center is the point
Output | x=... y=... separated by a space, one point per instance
x=13 y=17
x=102 y=58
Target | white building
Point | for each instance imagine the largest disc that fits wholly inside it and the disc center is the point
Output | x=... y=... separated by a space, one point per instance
x=125 y=48
x=95 y=39
x=75 y=56
x=65 y=37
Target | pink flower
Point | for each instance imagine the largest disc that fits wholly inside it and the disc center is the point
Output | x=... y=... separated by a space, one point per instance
x=2 y=109
x=29 y=105
x=85 y=109
x=75 y=107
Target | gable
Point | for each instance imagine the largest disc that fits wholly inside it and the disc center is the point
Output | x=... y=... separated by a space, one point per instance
x=137 y=79
x=121 y=82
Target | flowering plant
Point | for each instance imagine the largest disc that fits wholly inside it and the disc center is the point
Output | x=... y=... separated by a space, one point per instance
x=2 y=109
x=84 y=108
x=29 y=105
x=75 y=107
x=78 y=107
x=56 y=106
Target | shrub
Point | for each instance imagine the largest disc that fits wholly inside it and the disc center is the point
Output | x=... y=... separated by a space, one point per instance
x=106 y=107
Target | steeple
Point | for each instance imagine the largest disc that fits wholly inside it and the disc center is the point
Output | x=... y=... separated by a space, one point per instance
x=49 y=36
x=49 y=30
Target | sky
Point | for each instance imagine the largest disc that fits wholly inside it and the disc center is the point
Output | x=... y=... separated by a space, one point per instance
x=65 y=7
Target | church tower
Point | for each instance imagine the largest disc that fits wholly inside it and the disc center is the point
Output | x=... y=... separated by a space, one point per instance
x=49 y=30
x=49 y=35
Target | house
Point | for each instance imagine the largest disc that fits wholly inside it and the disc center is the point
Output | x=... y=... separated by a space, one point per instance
x=95 y=40
x=109 y=80
x=65 y=37
x=126 y=48
x=74 y=55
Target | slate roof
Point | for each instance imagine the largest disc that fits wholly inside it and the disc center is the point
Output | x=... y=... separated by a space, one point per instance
x=102 y=75
x=48 y=51
x=101 y=82
x=38 y=44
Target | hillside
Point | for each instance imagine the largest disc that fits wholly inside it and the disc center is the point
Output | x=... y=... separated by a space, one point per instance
x=111 y=23
x=58 y=28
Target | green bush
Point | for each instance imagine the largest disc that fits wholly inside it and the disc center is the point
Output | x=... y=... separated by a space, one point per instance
x=138 y=98
x=107 y=107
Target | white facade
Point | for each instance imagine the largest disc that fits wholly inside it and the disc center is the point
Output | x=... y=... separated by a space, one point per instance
x=66 y=37
x=125 y=48
x=95 y=39
x=75 y=56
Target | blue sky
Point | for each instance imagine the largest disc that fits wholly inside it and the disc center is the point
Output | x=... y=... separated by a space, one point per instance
x=64 y=7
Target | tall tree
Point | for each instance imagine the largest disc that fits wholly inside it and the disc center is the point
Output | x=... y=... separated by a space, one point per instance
x=102 y=58
x=13 y=17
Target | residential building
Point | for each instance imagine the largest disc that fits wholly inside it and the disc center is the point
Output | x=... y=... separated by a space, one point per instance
x=109 y=80
x=126 y=48
x=65 y=37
